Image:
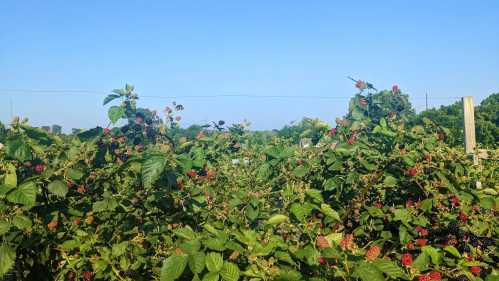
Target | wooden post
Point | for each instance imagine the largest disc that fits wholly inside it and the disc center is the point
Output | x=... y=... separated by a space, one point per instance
x=469 y=126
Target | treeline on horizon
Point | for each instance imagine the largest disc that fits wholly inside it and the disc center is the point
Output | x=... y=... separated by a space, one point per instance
x=449 y=117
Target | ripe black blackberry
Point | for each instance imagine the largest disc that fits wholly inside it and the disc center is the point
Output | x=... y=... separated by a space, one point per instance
x=453 y=228
x=462 y=278
x=130 y=273
x=486 y=241
x=474 y=239
x=124 y=157
x=464 y=248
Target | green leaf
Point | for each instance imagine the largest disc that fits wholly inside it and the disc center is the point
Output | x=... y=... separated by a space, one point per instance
x=375 y=212
x=284 y=256
x=453 y=251
x=315 y=194
x=4 y=189
x=390 y=268
x=190 y=246
x=404 y=235
x=185 y=232
x=211 y=276
x=10 y=178
x=421 y=262
x=58 y=188
x=115 y=113
x=196 y=262
x=402 y=215
x=7 y=259
x=216 y=244
x=214 y=262
x=24 y=194
x=119 y=91
x=4 y=227
x=89 y=134
x=75 y=174
x=173 y=267
x=334 y=238
x=433 y=253
x=230 y=272
x=251 y=212
x=301 y=171
x=106 y=204
x=300 y=211
x=368 y=272
x=389 y=181
x=70 y=244
x=119 y=249
x=277 y=219
x=110 y=98
x=330 y=212
x=22 y=222
x=19 y=150
x=152 y=168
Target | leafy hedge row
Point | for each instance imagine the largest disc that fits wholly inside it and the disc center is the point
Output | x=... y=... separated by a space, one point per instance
x=372 y=200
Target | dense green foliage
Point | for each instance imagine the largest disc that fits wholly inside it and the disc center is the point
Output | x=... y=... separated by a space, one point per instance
x=450 y=117
x=373 y=199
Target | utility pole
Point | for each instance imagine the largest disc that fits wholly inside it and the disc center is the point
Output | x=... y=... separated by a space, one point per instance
x=426 y=99
x=469 y=127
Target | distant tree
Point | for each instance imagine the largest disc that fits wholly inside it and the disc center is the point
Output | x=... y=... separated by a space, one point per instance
x=487 y=120
x=311 y=128
x=450 y=117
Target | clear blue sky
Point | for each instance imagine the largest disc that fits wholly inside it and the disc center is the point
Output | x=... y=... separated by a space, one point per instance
x=446 y=48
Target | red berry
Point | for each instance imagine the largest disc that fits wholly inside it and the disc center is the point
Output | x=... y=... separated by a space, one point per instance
x=180 y=183
x=322 y=242
x=418 y=204
x=463 y=217
x=52 y=225
x=373 y=253
x=332 y=132
x=106 y=131
x=412 y=172
x=406 y=259
x=475 y=270
x=395 y=89
x=351 y=140
x=409 y=203
x=347 y=242
x=435 y=275
x=191 y=173
x=361 y=85
x=322 y=260
x=362 y=101
x=77 y=221
x=427 y=157
x=422 y=231
x=455 y=201
x=39 y=168
x=424 y=278
x=87 y=275
x=409 y=245
x=421 y=242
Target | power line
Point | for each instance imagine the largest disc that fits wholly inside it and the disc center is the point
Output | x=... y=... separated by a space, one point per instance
x=79 y=92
